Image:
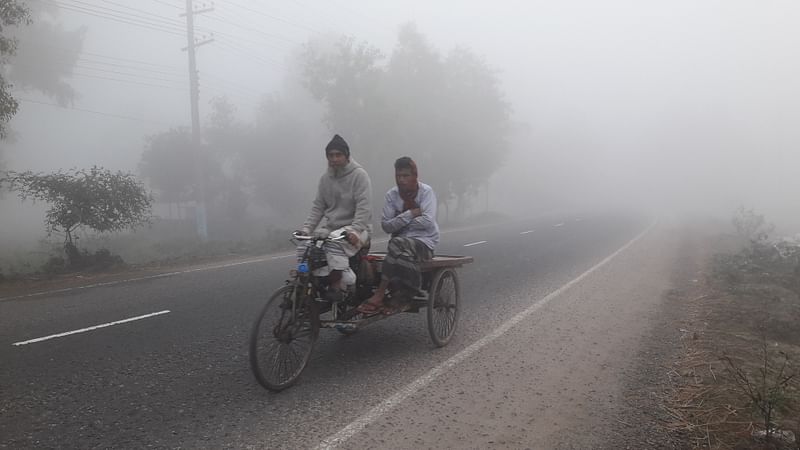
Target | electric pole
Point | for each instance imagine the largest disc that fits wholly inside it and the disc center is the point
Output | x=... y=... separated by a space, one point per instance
x=194 y=94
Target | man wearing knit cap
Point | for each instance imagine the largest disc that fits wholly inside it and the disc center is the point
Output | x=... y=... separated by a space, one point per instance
x=342 y=205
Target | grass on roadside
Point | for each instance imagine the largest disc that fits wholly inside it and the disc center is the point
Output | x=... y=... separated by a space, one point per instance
x=737 y=385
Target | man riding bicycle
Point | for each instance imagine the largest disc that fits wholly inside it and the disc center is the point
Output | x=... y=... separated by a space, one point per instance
x=342 y=205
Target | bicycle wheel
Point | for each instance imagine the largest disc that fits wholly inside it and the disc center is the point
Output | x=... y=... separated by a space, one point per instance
x=282 y=339
x=443 y=301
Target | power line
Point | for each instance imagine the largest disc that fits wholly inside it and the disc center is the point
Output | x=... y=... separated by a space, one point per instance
x=97 y=59
x=116 y=72
x=254 y=30
x=270 y=16
x=89 y=63
x=116 y=18
x=241 y=88
x=100 y=77
x=248 y=54
x=90 y=111
x=169 y=4
x=241 y=98
x=99 y=55
x=127 y=66
x=139 y=13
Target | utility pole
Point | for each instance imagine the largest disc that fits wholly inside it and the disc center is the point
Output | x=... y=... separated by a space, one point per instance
x=194 y=94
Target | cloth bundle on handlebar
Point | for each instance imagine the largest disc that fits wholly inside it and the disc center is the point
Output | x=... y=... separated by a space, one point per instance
x=317 y=258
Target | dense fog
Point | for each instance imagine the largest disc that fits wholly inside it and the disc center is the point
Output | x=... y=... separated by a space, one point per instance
x=509 y=108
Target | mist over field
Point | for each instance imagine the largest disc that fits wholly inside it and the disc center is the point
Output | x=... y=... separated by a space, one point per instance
x=513 y=108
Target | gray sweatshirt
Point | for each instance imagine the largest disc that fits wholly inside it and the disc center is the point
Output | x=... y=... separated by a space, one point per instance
x=343 y=199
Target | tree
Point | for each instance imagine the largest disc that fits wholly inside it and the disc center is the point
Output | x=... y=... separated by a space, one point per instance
x=39 y=56
x=476 y=125
x=97 y=199
x=448 y=112
x=47 y=53
x=12 y=13
x=348 y=78
x=167 y=165
x=228 y=139
x=282 y=163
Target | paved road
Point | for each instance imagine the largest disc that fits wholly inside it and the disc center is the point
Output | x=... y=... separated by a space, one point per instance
x=181 y=378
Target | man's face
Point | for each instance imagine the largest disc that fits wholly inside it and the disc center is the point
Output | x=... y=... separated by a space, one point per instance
x=336 y=158
x=404 y=178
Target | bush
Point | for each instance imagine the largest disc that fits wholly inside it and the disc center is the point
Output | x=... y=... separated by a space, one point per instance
x=101 y=259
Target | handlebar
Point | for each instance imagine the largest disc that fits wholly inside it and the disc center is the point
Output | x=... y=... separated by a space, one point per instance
x=304 y=237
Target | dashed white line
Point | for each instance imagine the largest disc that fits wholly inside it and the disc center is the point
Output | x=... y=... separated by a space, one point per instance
x=528 y=232
x=559 y=225
x=474 y=243
x=83 y=330
x=412 y=388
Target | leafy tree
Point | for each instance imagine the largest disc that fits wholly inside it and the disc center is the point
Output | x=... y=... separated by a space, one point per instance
x=97 y=199
x=12 y=13
x=282 y=164
x=348 y=78
x=475 y=129
x=47 y=53
x=167 y=165
x=446 y=111
x=227 y=140
x=38 y=56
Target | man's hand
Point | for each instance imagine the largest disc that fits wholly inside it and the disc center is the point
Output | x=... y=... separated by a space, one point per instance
x=416 y=212
x=321 y=233
x=353 y=239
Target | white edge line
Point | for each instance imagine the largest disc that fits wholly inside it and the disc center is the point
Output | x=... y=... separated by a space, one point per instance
x=83 y=330
x=373 y=414
x=474 y=243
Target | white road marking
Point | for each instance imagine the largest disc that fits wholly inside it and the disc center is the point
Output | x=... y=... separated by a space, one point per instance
x=559 y=225
x=529 y=231
x=415 y=386
x=83 y=330
x=474 y=243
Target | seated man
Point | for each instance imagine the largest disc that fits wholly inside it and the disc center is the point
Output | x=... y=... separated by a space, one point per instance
x=343 y=203
x=409 y=215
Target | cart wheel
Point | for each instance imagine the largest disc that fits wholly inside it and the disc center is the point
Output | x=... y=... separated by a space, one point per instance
x=282 y=340
x=443 y=306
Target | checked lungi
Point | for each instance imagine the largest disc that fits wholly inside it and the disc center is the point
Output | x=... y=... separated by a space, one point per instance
x=401 y=266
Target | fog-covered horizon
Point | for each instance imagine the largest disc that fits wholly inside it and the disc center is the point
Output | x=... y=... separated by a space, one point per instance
x=664 y=106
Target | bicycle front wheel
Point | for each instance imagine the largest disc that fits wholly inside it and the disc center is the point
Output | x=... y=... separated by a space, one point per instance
x=282 y=339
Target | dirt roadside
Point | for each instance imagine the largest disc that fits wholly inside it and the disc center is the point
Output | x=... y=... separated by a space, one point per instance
x=597 y=367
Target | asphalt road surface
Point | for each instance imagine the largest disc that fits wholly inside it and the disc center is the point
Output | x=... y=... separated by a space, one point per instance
x=178 y=375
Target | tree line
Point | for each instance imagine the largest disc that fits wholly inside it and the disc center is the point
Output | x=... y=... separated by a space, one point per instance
x=446 y=110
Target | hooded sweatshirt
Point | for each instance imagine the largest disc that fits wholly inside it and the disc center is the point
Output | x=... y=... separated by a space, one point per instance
x=343 y=199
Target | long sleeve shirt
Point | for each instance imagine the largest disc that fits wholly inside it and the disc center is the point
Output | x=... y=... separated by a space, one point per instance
x=398 y=222
x=343 y=199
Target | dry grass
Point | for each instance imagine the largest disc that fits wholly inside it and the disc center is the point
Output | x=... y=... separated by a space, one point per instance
x=729 y=331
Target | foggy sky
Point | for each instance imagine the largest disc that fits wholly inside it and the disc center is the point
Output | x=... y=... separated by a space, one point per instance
x=681 y=104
